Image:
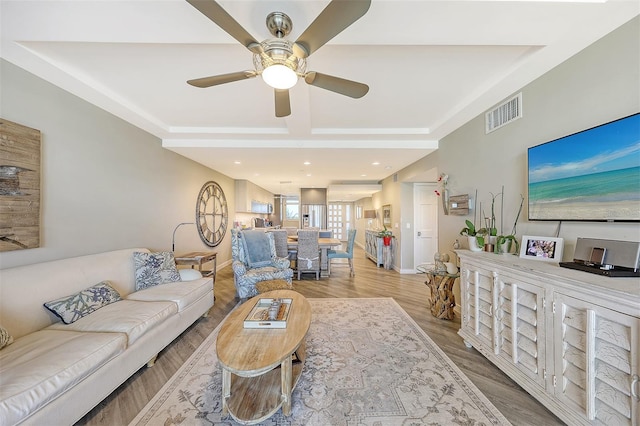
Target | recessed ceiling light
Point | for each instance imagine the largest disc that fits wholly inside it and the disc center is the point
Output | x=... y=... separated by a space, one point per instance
x=309 y=175
x=237 y=162
x=375 y=163
x=306 y=163
x=363 y=175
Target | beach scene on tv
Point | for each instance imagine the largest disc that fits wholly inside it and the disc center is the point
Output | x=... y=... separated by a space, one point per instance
x=590 y=175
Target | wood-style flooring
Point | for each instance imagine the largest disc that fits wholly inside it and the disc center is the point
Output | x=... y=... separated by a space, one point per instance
x=370 y=281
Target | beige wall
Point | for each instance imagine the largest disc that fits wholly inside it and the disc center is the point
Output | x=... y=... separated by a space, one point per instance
x=597 y=85
x=362 y=223
x=105 y=183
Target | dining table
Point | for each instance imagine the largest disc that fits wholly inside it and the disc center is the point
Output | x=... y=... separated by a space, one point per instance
x=325 y=244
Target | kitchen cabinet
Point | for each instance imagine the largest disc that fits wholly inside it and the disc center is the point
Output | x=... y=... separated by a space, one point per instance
x=250 y=198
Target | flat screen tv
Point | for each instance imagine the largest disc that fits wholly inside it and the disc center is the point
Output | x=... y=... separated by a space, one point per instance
x=592 y=175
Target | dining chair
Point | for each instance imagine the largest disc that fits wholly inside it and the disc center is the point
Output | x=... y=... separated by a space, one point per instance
x=280 y=239
x=291 y=231
x=308 y=257
x=343 y=254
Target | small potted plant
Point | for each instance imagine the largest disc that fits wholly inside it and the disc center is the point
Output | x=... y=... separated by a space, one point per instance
x=385 y=234
x=487 y=236
x=472 y=236
x=504 y=242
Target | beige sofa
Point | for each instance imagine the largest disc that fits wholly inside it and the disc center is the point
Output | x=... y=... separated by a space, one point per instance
x=54 y=373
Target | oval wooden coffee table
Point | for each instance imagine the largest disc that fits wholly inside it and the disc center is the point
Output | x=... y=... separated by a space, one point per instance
x=253 y=387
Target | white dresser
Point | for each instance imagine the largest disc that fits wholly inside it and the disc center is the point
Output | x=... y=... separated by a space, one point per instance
x=569 y=338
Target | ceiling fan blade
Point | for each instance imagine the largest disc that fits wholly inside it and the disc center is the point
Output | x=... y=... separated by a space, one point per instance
x=337 y=16
x=212 y=10
x=336 y=84
x=221 y=79
x=283 y=105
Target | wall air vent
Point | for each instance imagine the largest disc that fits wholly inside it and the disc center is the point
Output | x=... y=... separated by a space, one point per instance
x=504 y=113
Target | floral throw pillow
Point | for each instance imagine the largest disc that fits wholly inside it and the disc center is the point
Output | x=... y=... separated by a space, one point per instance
x=71 y=308
x=5 y=338
x=155 y=268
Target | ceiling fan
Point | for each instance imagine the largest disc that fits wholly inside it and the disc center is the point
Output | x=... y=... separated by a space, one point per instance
x=281 y=62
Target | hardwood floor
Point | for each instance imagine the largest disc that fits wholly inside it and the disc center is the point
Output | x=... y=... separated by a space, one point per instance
x=408 y=290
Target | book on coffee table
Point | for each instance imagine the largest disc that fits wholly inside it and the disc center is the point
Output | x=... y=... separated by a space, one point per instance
x=269 y=313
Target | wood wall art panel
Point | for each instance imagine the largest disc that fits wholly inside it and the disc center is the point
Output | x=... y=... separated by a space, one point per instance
x=19 y=186
x=459 y=205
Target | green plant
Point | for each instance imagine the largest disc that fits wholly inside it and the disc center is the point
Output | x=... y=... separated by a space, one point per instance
x=480 y=234
x=385 y=232
x=490 y=221
x=469 y=230
x=502 y=239
x=511 y=237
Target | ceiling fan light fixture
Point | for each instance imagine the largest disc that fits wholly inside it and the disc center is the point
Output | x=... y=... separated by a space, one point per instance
x=279 y=76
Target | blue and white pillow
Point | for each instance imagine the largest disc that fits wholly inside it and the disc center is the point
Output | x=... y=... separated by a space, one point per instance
x=155 y=268
x=71 y=308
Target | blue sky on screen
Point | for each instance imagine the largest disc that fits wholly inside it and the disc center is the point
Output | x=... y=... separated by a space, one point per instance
x=610 y=147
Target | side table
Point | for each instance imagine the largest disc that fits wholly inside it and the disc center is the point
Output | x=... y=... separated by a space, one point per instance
x=442 y=299
x=387 y=256
x=199 y=258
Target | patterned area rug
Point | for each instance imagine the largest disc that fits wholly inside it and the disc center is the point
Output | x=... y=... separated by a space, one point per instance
x=368 y=363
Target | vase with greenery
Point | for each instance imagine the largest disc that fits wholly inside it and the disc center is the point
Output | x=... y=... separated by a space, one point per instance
x=472 y=236
x=488 y=234
x=504 y=242
x=385 y=234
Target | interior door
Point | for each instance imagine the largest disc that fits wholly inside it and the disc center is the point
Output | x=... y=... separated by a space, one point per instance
x=426 y=223
x=339 y=221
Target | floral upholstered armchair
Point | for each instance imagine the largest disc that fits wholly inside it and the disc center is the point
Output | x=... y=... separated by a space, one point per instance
x=255 y=260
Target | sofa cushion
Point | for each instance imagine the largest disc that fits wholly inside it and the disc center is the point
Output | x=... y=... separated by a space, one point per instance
x=154 y=269
x=126 y=316
x=183 y=293
x=40 y=366
x=71 y=308
x=5 y=338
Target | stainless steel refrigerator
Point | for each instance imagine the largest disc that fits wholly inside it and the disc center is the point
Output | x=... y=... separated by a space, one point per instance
x=314 y=216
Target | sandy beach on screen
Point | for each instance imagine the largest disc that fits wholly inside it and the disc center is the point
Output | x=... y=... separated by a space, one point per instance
x=588 y=211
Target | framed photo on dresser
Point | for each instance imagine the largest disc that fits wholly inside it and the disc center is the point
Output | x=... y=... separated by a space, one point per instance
x=541 y=248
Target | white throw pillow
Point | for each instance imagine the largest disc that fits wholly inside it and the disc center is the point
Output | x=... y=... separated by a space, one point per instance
x=189 y=274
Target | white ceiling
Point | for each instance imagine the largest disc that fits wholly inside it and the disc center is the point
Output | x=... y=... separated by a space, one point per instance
x=431 y=66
